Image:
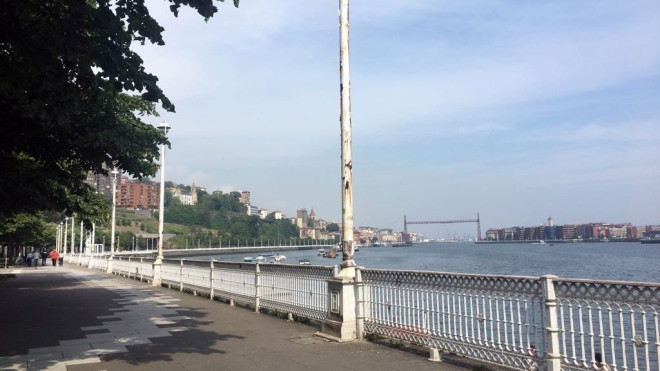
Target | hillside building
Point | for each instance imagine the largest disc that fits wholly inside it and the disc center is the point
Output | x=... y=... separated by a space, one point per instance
x=138 y=195
x=185 y=196
x=245 y=197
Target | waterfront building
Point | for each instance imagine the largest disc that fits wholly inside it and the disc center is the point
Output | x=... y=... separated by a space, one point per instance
x=263 y=213
x=494 y=234
x=617 y=232
x=566 y=232
x=302 y=218
x=312 y=217
x=550 y=232
x=510 y=234
x=633 y=232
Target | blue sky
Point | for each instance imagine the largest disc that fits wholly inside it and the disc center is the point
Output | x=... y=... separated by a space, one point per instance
x=517 y=110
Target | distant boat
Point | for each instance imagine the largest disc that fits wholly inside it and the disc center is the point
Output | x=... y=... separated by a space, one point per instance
x=248 y=259
x=321 y=252
x=330 y=254
x=303 y=262
x=650 y=240
x=402 y=244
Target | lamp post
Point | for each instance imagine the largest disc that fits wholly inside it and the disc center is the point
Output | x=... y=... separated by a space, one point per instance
x=80 y=248
x=343 y=322
x=112 y=226
x=73 y=236
x=59 y=238
x=164 y=127
x=66 y=232
x=347 y=242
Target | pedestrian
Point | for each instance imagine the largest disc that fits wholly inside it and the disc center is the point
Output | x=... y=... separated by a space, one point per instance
x=30 y=256
x=44 y=256
x=54 y=255
x=61 y=260
x=600 y=365
x=35 y=259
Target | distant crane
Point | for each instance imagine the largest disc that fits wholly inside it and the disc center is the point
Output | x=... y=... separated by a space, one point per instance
x=406 y=236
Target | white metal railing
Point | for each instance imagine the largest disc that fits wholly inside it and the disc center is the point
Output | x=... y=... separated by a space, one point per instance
x=519 y=322
x=495 y=319
x=138 y=268
x=616 y=320
x=294 y=289
x=300 y=290
x=524 y=323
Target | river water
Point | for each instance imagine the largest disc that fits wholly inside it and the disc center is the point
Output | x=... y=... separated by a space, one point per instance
x=603 y=261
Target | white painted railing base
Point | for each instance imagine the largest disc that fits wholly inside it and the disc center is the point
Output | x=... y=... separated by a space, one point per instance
x=341 y=322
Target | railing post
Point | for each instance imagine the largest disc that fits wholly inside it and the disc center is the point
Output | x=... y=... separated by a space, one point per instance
x=257 y=286
x=341 y=322
x=553 y=355
x=211 y=283
x=181 y=275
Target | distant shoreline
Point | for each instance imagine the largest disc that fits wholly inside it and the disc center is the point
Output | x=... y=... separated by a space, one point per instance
x=547 y=242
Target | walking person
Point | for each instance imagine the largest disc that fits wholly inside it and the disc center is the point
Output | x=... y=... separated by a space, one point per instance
x=28 y=261
x=54 y=255
x=44 y=256
x=35 y=259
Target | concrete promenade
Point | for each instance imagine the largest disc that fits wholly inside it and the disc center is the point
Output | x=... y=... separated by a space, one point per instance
x=73 y=318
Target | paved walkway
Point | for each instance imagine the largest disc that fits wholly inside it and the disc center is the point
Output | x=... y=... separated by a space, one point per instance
x=73 y=318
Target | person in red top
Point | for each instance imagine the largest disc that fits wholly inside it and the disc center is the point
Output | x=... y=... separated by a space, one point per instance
x=54 y=255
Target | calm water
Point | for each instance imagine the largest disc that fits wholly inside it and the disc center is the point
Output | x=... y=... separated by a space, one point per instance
x=605 y=261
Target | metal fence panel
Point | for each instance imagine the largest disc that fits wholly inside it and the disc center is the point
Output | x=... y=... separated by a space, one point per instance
x=299 y=290
x=491 y=318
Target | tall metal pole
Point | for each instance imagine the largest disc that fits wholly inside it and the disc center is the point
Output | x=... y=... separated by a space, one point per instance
x=164 y=127
x=59 y=239
x=73 y=236
x=93 y=247
x=82 y=230
x=66 y=233
x=348 y=244
x=112 y=226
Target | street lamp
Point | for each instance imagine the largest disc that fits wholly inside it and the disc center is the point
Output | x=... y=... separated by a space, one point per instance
x=112 y=226
x=164 y=127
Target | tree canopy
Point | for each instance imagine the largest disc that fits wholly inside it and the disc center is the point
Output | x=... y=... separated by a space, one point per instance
x=73 y=96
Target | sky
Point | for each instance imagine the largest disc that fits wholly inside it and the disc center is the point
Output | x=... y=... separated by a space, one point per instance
x=517 y=110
